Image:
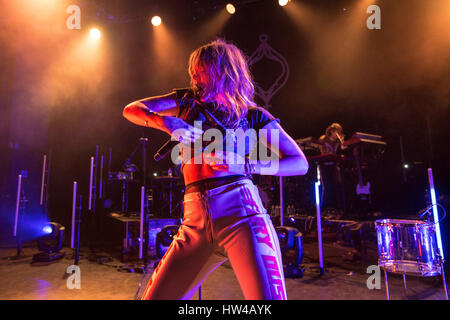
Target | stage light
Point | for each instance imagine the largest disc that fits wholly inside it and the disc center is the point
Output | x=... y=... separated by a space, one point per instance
x=406 y=166
x=50 y=243
x=230 y=8
x=95 y=33
x=47 y=229
x=156 y=21
x=291 y=246
x=164 y=238
x=283 y=2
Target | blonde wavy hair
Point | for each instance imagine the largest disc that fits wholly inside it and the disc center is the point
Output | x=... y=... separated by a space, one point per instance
x=226 y=78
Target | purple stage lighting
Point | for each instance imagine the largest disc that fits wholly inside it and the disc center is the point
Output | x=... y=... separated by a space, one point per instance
x=47 y=229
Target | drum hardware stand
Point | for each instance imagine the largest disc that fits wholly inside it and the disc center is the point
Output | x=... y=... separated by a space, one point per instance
x=443 y=277
x=386 y=284
x=125 y=182
x=143 y=239
x=144 y=204
x=404 y=280
x=440 y=262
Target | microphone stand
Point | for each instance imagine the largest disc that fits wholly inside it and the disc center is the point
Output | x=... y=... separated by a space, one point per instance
x=145 y=222
x=144 y=141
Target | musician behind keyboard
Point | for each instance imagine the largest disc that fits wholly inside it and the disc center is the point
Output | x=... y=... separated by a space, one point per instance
x=332 y=140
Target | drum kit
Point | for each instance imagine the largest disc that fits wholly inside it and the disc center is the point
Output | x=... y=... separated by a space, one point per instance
x=163 y=195
x=413 y=247
x=409 y=247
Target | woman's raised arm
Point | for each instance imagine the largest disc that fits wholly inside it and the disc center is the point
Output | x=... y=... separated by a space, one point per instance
x=161 y=113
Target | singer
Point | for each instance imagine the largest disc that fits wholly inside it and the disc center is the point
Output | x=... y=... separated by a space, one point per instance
x=223 y=214
x=332 y=139
x=333 y=189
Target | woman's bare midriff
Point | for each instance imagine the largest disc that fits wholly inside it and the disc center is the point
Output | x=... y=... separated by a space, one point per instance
x=196 y=172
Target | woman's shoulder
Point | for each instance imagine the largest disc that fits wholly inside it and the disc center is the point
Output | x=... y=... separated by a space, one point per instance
x=258 y=117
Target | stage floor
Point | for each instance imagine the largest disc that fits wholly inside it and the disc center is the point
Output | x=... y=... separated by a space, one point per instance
x=344 y=279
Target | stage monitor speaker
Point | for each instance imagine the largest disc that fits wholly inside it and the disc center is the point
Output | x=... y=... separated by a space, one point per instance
x=291 y=245
x=155 y=227
x=164 y=239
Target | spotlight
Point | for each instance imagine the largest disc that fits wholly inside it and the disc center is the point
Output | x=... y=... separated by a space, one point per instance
x=291 y=245
x=283 y=2
x=95 y=33
x=47 y=229
x=50 y=243
x=156 y=21
x=230 y=8
x=164 y=239
x=406 y=166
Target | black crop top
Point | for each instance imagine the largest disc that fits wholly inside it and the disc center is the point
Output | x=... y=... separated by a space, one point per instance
x=191 y=109
x=256 y=117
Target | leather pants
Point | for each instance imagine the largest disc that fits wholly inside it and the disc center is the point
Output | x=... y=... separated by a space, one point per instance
x=227 y=222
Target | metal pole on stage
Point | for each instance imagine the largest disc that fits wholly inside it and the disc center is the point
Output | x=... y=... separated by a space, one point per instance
x=77 y=252
x=144 y=202
x=100 y=192
x=141 y=223
x=44 y=167
x=91 y=181
x=437 y=228
x=94 y=187
x=281 y=202
x=74 y=208
x=319 y=228
x=16 y=215
x=386 y=284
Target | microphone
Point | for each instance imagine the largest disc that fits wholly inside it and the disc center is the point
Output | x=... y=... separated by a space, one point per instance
x=341 y=140
x=165 y=149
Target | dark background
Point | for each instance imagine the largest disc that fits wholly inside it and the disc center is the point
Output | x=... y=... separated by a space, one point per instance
x=57 y=94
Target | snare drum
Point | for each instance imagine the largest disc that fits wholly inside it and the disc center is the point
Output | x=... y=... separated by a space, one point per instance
x=408 y=247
